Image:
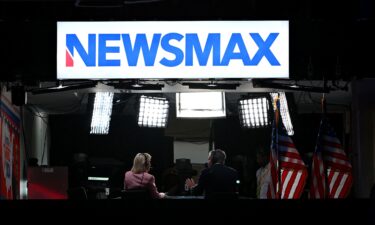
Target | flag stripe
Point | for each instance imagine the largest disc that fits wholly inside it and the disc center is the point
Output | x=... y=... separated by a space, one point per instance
x=337 y=161
x=333 y=145
x=285 y=178
x=292 y=165
x=331 y=179
x=331 y=150
x=347 y=186
x=297 y=177
x=286 y=143
x=341 y=185
x=336 y=182
x=288 y=149
x=290 y=155
x=291 y=160
x=301 y=185
x=338 y=156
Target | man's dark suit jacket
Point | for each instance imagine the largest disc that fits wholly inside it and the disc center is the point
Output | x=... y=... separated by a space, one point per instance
x=218 y=179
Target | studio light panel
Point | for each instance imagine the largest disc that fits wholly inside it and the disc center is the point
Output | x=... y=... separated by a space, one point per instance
x=102 y=112
x=254 y=112
x=153 y=112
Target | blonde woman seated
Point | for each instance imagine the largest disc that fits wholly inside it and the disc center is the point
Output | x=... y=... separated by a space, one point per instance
x=139 y=178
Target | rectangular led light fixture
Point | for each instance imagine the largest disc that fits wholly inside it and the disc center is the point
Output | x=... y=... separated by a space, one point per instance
x=201 y=105
x=254 y=112
x=153 y=112
x=102 y=112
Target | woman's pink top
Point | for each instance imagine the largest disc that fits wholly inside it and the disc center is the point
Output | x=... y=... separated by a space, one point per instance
x=141 y=180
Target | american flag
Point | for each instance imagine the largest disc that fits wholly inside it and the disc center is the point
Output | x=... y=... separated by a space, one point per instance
x=286 y=165
x=331 y=174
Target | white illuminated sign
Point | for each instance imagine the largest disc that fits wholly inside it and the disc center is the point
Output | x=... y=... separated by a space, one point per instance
x=184 y=49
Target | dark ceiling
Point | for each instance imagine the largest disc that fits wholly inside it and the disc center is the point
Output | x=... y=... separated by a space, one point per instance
x=334 y=40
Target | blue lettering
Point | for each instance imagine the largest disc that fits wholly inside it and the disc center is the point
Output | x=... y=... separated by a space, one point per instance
x=103 y=50
x=212 y=44
x=140 y=42
x=236 y=39
x=72 y=42
x=193 y=48
x=264 y=49
x=172 y=49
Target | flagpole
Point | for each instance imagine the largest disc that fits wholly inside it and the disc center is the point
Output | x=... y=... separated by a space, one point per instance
x=279 y=191
x=324 y=106
x=322 y=131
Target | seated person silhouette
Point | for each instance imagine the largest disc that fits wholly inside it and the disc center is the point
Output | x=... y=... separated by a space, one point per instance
x=174 y=177
x=171 y=181
x=138 y=181
x=217 y=181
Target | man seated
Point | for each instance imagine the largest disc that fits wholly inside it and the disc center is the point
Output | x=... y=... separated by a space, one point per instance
x=217 y=180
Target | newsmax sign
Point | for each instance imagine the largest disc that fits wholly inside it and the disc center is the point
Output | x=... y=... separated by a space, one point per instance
x=178 y=50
